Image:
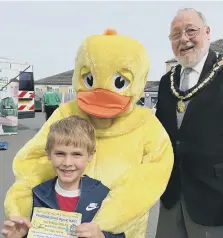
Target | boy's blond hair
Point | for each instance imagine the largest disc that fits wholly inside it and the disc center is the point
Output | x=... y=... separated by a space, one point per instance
x=74 y=131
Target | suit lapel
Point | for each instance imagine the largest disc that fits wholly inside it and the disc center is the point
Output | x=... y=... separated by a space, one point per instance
x=211 y=59
x=178 y=72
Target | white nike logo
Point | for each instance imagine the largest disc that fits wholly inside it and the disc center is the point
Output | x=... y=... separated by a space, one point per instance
x=92 y=206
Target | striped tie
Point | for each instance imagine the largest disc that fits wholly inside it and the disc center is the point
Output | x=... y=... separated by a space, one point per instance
x=185 y=80
x=184 y=87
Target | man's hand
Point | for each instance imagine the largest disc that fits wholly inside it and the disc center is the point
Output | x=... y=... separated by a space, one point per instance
x=89 y=230
x=9 y=121
x=13 y=121
x=43 y=107
x=16 y=227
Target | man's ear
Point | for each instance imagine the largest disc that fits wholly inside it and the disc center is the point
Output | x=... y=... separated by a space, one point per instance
x=208 y=32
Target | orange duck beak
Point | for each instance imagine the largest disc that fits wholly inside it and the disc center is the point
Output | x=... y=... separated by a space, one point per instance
x=102 y=103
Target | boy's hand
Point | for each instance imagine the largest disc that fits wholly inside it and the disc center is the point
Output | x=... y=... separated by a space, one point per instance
x=89 y=230
x=16 y=227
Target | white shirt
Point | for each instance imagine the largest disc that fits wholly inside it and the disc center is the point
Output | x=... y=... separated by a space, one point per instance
x=195 y=73
x=66 y=193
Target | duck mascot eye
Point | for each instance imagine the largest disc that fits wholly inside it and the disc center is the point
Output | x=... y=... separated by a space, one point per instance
x=134 y=156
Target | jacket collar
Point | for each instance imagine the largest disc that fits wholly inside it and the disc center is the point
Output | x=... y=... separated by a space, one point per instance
x=210 y=61
x=46 y=191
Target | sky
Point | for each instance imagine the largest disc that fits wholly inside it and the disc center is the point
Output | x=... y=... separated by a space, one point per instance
x=48 y=34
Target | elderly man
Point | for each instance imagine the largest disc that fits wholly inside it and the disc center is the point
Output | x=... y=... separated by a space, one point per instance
x=190 y=107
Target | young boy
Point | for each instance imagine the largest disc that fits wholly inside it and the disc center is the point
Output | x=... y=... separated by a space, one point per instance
x=70 y=146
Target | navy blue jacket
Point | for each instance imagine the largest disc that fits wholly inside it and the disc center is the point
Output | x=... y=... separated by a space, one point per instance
x=93 y=192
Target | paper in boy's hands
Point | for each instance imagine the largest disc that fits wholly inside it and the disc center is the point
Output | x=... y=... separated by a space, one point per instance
x=51 y=223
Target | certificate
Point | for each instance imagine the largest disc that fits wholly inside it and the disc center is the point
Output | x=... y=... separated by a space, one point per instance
x=51 y=223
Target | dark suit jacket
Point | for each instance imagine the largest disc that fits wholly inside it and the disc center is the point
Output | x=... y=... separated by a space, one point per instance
x=198 y=148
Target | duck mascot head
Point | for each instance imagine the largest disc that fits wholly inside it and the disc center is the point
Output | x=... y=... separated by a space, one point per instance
x=110 y=75
x=134 y=156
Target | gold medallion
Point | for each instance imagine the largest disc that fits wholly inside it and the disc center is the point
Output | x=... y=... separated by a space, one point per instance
x=180 y=106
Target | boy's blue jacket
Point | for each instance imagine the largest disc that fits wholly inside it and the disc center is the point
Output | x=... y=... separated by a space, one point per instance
x=93 y=192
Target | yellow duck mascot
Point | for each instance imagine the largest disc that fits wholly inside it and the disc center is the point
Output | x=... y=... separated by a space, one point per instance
x=134 y=156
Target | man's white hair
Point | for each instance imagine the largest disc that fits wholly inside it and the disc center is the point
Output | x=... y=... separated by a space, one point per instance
x=198 y=13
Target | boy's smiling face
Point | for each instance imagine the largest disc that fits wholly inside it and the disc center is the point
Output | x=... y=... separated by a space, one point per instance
x=69 y=163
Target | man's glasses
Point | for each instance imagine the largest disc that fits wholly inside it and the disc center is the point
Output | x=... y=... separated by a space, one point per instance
x=190 y=32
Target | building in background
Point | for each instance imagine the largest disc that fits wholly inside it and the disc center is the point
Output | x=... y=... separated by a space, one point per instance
x=151 y=93
x=217 y=46
x=170 y=64
x=60 y=83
